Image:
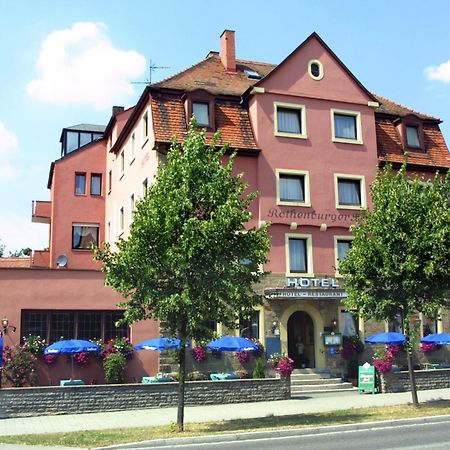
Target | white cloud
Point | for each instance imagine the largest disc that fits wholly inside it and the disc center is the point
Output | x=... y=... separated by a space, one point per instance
x=9 y=147
x=440 y=73
x=17 y=232
x=81 y=65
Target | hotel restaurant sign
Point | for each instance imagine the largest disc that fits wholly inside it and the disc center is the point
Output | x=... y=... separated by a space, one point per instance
x=320 y=287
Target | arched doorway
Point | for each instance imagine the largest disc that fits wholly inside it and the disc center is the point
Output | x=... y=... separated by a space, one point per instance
x=300 y=330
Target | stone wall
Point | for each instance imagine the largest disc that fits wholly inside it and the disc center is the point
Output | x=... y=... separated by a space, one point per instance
x=425 y=379
x=22 y=402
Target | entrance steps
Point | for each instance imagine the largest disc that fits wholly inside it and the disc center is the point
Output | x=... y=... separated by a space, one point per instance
x=308 y=381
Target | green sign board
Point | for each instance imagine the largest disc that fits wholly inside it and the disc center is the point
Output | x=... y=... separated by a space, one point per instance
x=367 y=379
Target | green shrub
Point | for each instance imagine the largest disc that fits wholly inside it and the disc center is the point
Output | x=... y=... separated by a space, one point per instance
x=19 y=366
x=114 y=366
x=258 y=371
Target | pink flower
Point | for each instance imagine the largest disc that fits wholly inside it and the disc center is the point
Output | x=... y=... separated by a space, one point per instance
x=285 y=366
x=199 y=354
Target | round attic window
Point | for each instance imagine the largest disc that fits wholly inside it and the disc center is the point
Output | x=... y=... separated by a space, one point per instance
x=315 y=70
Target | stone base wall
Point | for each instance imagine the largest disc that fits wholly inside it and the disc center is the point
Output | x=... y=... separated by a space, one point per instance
x=22 y=402
x=425 y=379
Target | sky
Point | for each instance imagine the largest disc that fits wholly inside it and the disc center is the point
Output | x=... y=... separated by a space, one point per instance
x=68 y=62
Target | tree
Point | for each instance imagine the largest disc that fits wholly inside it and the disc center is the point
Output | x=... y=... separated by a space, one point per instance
x=399 y=261
x=20 y=253
x=189 y=258
x=2 y=249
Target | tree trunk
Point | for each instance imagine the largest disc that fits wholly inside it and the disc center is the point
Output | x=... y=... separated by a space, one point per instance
x=408 y=344
x=181 y=382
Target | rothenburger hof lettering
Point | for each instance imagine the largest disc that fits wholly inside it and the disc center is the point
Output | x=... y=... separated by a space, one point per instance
x=294 y=214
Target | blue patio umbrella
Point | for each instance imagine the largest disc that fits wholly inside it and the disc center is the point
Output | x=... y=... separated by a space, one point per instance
x=71 y=346
x=232 y=344
x=386 y=338
x=161 y=343
x=436 y=338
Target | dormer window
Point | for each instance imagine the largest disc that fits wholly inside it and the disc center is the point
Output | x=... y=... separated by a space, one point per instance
x=201 y=113
x=412 y=136
x=201 y=105
x=410 y=129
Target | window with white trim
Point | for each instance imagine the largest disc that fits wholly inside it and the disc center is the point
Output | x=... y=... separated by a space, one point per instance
x=346 y=126
x=292 y=187
x=133 y=147
x=121 y=219
x=122 y=162
x=315 y=69
x=342 y=245
x=350 y=191
x=290 y=120
x=145 y=125
x=84 y=235
x=298 y=254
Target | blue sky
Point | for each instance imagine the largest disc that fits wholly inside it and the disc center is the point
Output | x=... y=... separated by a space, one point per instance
x=68 y=62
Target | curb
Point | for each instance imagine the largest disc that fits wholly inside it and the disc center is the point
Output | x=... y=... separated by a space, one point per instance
x=168 y=442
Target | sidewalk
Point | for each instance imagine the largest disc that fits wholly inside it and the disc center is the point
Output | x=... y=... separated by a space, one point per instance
x=151 y=417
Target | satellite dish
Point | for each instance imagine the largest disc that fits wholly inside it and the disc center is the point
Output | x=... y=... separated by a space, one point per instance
x=61 y=261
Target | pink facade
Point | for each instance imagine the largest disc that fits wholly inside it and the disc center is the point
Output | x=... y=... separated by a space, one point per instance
x=309 y=138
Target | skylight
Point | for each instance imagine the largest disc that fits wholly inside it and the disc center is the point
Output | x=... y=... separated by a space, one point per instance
x=252 y=74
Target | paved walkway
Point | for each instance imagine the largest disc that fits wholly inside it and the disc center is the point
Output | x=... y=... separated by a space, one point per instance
x=147 y=417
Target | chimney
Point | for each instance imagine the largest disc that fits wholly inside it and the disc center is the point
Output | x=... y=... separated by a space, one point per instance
x=117 y=110
x=228 y=51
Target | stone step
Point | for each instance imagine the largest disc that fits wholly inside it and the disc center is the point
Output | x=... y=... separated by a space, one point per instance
x=310 y=376
x=316 y=382
x=311 y=370
x=321 y=388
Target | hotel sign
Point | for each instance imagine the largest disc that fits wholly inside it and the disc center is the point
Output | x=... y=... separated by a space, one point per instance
x=319 y=288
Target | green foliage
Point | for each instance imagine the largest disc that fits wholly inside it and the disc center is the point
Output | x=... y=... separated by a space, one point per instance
x=399 y=261
x=114 y=366
x=258 y=371
x=21 y=253
x=19 y=366
x=34 y=344
x=189 y=258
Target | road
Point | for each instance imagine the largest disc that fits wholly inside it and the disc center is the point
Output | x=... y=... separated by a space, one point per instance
x=434 y=436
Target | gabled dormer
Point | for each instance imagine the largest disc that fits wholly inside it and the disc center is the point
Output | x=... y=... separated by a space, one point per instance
x=410 y=130
x=201 y=104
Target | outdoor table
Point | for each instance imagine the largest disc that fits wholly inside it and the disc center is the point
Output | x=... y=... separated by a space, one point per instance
x=71 y=382
x=148 y=380
x=223 y=376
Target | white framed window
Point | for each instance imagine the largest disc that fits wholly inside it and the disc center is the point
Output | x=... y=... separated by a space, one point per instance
x=412 y=136
x=299 y=258
x=201 y=113
x=109 y=232
x=145 y=125
x=132 y=207
x=315 y=69
x=293 y=187
x=290 y=120
x=121 y=220
x=122 y=162
x=346 y=126
x=84 y=235
x=342 y=245
x=133 y=147
x=350 y=191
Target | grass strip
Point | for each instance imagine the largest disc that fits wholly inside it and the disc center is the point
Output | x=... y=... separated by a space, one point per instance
x=98 y=438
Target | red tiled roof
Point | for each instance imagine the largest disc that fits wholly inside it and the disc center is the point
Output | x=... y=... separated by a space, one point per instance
x=390 y=146
x=232 y=118
x=389 y=107
x=169 y=120
x=15 y=262
x=211 y=76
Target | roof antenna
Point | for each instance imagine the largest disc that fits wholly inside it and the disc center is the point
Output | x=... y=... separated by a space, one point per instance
x=151 y=68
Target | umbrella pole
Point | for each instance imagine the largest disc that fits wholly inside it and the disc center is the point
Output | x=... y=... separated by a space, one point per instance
x=71 y=365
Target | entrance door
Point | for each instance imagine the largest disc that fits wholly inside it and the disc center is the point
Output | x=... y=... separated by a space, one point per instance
x=300 y=329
